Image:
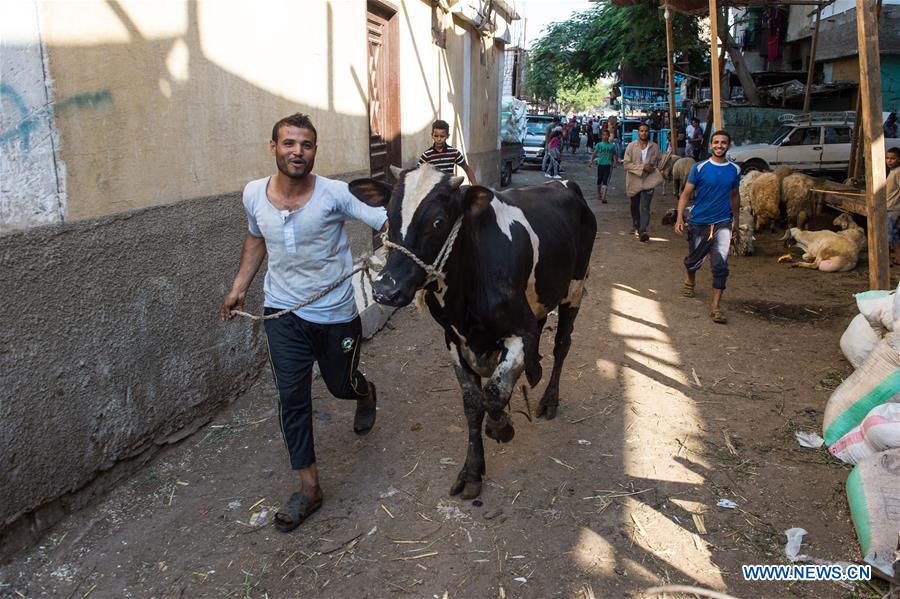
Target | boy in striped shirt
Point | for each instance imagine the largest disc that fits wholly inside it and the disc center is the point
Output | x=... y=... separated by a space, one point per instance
x=443 y=156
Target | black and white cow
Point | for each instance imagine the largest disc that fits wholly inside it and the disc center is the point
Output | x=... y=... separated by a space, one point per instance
x=518 y=255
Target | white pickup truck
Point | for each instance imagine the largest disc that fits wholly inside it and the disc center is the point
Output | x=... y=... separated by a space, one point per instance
x=809 y=143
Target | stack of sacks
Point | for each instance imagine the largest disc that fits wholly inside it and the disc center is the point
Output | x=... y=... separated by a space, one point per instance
x=876 y=317
x=862 y=424
x=512 y=120
x=873 y=491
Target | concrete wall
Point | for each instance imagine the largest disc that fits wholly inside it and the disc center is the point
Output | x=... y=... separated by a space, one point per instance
x=32 y=177
x=161 y=112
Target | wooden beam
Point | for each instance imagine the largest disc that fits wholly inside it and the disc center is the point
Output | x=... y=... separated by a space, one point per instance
x=855 y=167
x=715 y=78
x=812 y=60
x=873 y=137
x=673 y=129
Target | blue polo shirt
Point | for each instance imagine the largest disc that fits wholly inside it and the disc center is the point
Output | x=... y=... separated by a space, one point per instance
x=308 y=249
x=712 y=199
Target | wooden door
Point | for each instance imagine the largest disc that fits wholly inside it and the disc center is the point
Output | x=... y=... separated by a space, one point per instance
x=384 y=91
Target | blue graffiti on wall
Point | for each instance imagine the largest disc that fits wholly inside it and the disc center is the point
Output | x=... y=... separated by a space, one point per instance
x=29 y=121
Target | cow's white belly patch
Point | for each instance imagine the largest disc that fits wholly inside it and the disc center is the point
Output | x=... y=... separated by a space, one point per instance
x=506 y=215
x=576 y=291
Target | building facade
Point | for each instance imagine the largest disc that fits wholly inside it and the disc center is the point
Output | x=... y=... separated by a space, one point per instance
x=127 y=132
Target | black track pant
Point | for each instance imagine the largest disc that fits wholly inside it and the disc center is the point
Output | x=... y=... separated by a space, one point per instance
x=294 y=345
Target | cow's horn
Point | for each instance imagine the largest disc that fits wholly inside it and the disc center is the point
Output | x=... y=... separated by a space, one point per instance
x=396 y=170
x=455 y=182
x=787 y=235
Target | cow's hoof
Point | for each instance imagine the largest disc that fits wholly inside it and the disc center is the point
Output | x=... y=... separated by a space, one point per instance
x=501 y=429
x=466 y=489
x=547 y=409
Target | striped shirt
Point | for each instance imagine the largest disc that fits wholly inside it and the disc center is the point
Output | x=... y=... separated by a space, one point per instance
x=443 y=160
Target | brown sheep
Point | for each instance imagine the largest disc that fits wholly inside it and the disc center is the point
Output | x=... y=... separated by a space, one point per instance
x=765 y=198
x=795 y=196
x=680 y=171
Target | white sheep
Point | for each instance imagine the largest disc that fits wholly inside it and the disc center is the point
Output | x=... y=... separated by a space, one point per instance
x=743 y=245
x=796 y=199
x=851 y=230
x=824 y=250
x=747 y=180
x=765 y=198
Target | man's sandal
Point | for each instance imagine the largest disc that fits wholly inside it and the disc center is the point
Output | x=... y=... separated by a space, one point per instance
x=687 y=289
x=718 y=316
x=299 y=507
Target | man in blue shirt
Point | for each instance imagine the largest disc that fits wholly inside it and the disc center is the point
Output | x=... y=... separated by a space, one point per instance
x=713 y=220
x=297 y=219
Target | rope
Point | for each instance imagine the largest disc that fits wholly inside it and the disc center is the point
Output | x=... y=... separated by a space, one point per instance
x=434 y=271
x=365 y=266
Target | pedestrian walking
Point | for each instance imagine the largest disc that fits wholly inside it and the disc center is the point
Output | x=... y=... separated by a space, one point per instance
x=442 y=155
x=714 y=219
x=545 y=162
x=554 y=149
x=604 y=156
x=574 y=136
x=694 y=134
x=296 y=220
x=641 y=178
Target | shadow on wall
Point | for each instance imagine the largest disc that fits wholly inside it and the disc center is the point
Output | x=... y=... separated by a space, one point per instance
x=117 y=349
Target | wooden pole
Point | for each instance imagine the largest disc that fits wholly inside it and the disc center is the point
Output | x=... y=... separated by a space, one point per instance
x=812 y=60
x=854 y=168
x=873 y=137
x=715 y=78
x=673 y=129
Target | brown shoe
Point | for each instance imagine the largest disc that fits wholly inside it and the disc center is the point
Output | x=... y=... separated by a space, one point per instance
x=364 y=419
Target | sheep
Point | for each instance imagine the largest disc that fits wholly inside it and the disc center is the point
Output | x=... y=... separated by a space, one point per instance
x=823 y=250
x=765 y=197
x=746 y=181
x=795 y=197
x=743 y=245
x=680 y=171
x=851 y=230
x=666 y=166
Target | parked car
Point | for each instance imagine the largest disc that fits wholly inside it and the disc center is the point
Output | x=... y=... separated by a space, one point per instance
x=804 y=142
x=536 y=128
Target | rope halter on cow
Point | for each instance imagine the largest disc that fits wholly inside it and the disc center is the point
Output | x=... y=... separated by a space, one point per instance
x=433 y=271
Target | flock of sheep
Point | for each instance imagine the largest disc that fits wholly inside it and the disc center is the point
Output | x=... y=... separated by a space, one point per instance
x=770 y=197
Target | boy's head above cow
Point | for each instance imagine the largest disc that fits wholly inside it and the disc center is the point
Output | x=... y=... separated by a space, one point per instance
x=422 y=208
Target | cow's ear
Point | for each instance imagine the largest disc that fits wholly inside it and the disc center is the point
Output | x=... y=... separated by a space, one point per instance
x=371 y=192
x=475 y=199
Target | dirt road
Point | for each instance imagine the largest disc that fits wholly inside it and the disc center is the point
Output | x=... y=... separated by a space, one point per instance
x=662 y=414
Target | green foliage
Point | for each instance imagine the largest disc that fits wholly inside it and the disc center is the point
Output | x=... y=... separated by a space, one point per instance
x=574 y=53
x=582 y=99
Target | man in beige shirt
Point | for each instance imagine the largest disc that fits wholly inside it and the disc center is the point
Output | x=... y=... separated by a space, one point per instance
x=892 y=200
x=641 y=158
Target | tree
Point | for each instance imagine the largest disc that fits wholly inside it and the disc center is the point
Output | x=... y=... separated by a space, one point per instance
x=593 y=44
x=582 y=99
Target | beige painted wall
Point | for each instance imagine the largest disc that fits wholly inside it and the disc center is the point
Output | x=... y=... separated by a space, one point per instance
x=189 y=92
x=167 y=101
x=433 y=85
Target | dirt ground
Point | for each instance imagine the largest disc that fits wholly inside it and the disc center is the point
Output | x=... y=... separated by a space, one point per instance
x=662 y=413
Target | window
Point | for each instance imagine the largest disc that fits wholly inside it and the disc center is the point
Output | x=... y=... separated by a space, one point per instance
x=837 y=135
x=803 y=136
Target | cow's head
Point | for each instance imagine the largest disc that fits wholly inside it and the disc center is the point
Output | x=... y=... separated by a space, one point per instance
x=422 y=208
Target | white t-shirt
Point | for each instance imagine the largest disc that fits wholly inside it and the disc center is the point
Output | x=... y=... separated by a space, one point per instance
x=595 y=127
x=308 y=248
x=644 y=154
